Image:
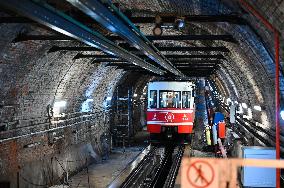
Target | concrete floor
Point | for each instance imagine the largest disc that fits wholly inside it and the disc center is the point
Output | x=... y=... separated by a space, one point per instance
x=102 y=174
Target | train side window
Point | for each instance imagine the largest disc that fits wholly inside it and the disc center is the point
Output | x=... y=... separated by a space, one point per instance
x=153 y=99
x=186 y=95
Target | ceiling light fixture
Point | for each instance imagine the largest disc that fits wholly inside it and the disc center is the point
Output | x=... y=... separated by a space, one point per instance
x=180 y=23
x=157 y=30
x=282 y=114
x=258 y=108
x=244 y=105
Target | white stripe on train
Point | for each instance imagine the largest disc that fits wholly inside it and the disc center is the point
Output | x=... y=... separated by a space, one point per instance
x=167 y=123
x=176 y=111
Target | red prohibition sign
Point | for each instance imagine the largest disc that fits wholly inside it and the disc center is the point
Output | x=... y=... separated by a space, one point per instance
x=200 y=174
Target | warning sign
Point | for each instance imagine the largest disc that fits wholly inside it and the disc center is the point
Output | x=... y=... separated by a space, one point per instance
x=218 y=173
x=200 y=174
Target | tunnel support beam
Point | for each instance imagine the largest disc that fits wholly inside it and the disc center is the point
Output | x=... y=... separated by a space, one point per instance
x=171 y=49
x=177 y=56
x=96 y=10
x=227 y=38
x=270 y=27
x=64 y=24
x=166 y=19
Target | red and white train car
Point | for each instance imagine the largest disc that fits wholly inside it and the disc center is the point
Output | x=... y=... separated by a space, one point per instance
x=171 y=109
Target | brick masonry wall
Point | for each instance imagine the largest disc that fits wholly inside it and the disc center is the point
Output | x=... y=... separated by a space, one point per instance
x=32 y=79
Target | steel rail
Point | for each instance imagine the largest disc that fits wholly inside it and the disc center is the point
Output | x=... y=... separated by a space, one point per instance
x=64 y=24
x=170 y=182
x=96 y=10
x=161 y=174
x=156 y=172
x=134 y=164
x=138 y=170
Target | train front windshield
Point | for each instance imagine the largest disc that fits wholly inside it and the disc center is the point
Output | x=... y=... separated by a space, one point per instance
x=170 y=99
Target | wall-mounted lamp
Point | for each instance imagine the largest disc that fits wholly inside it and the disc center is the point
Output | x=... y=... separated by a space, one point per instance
x=258 y=108
x=249 y=116
x=240 y=110
x=228 y=101
x=180 y=23
x=87 y=105
x=282 y=114
x=59 y=108
x=59 y=104
x=32 y=145
x=244 y=105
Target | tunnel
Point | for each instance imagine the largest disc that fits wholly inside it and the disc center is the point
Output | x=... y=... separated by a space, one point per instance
x=74 y=78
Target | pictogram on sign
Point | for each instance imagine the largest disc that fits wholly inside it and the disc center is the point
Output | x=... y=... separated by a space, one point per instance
x=200 y=174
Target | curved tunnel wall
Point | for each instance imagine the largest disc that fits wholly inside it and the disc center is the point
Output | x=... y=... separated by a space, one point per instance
x=248 y=60
x=32 y=79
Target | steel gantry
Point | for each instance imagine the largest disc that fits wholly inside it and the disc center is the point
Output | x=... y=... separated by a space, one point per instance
x=228 y=18
x=176 y=56
x=56 y=20
x=102 y=14
x=185 y=37
x=170 y=49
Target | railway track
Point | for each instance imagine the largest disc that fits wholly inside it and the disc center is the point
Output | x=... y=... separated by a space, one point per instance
x=158 y=168
x=171 y=178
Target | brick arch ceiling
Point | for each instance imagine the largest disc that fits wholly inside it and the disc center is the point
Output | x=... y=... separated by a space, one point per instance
x=247 y=61
x=51 y=82
x=31 y=78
